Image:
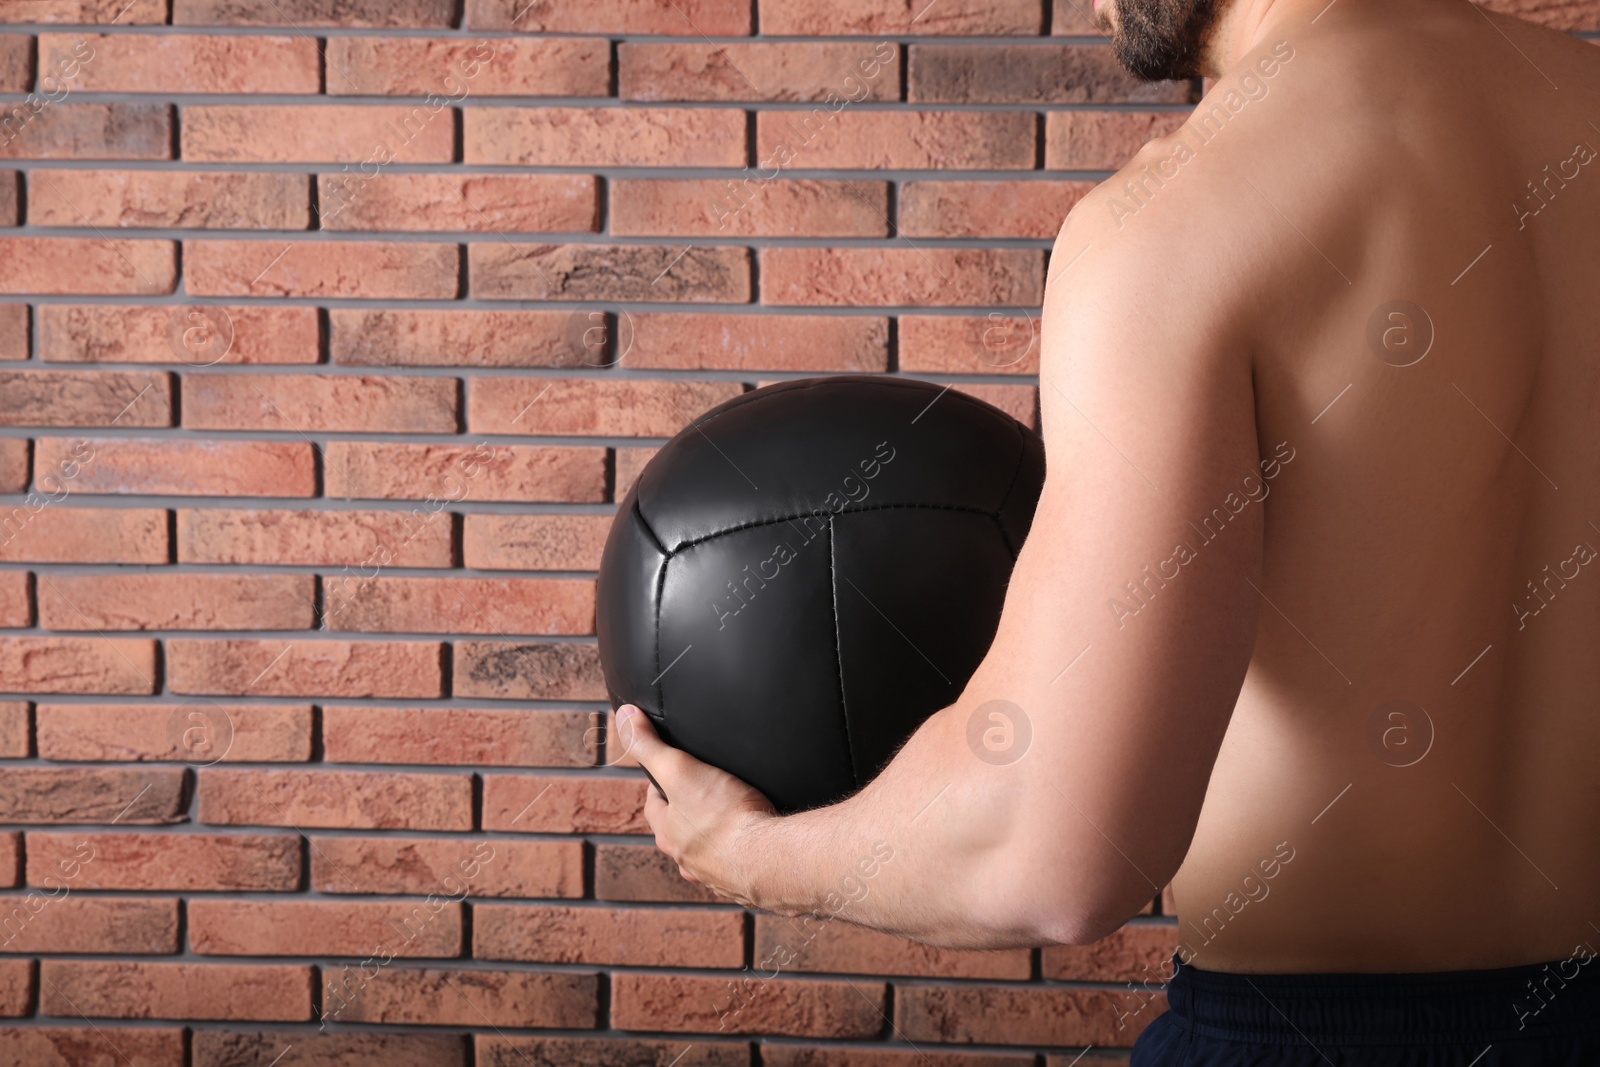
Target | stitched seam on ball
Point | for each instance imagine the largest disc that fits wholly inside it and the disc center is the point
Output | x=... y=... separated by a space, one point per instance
x=661 y=690
x=809 y=514
x=838 y=656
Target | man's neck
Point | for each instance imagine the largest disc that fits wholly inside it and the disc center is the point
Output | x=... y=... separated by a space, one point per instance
x=1243 y=24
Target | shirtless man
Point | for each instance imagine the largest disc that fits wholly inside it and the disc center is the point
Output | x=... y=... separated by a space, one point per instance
x=1308 y=620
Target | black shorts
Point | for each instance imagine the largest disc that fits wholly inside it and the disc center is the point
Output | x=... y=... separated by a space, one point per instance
x=1543 y=1015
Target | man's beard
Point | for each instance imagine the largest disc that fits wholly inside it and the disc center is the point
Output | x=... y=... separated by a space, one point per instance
x=1160 y=39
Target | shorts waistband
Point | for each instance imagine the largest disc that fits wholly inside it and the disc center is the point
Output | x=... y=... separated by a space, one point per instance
x=1555 y=999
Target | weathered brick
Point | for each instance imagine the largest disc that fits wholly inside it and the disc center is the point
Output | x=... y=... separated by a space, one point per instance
x=417 y=866
x=264 y=133
x=184 y=63
x=10 y=190
x=314 y=538
x=395 y=270
x=93 y=131
x=885 y=276
x=817 y=944
x=16 y=465
x=503 y=1050
x=461 y=605
x=301 y=1048
x=1074 y=17
x=507 y=670
x=182 y=199
x=78 y=664
x=91 y=1046
x=1102 y=140
x=718 y=18
x=198 y=336
x=16 y=67
x=83 y=535
x=605 y=137
x=129 y=795
x=751 y=207
x=502 y=271
x=1556 y=14
x=16 y=600
x=408 y=337
x=564 y=804
x=324 y=928
x=16 y=725
x=534 y=542
x=1030 y=74
x=177 y=467
x=1020 y=1015
x=496 y=203
x=630 y=462
x=75 y=923
x=319 y=402
x=345 y=799
x=177 y=602
x=87 y=265
x=16 y=988
x=85 y=398
x=700 y=70
x=10 y=859
x=1136 y=953
x=308 y=668
x=521 y=473
x=13 y=331
x=632 y=937
x=196 y=732
x=84 y=12
x=507 y=66
x=896 y=140
x=440 y=997
x=173 y=862
x=987 y=209
x=779 y=1006
x=588 y=406
x=773 y=1055
x=421 y=14
x=874 y=17
x=643 y=873
x=84 y=988
x=459 y=736
x=969 y=344
x=837 y=343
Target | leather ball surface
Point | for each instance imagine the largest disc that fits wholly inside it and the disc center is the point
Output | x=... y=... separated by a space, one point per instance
x=808 y=571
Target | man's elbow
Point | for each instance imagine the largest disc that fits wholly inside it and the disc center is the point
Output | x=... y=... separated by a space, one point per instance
x=1057 y=910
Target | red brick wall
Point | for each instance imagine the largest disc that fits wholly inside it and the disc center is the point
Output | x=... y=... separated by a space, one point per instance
x=331 y=330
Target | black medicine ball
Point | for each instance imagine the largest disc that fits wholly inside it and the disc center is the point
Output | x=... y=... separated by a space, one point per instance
x=808 y=571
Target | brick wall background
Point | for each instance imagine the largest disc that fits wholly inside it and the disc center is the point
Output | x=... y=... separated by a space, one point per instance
x=332 y=329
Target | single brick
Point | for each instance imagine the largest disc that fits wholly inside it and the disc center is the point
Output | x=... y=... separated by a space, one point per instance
x=500 y=606
x=534 y=542
x=886 y=276
x=75 y=923
x=396 y=270
x=16 y=465
x=198 y=336
x=96 y=12
x=315 y=538
x=91 y=131
x=319 y=402
x=565 y=804
x=325 y=928
x=439 y=997
x=1555 y=14
x=417 y=866
x=502 y=271
x=506 y=670
x=305 y=668
x=503 y=1050
x=696 y=18
x=83 y=535
x=1030 y=74
x=344 y=799
x=11 y=195
x=605 y=136
x=172 y=862
x=699 y=70
x=756 y=1005
x=197 y=732
x=817 y=944
x=969 y=344
x=631 y=937
x=409 y=337
x=1102 y=140
x=127 y=795
x=84 y=988
x=749 y=207
x=1076 y=18
x=78 y=664
x=187 y=199
x=16 y=66
x=177 y=602
x=643 y=873
x=101 y=266
x=836 y=343
x=896 y=140
x=630 y=462
x=1021 y=402
x=590 y=406
x=420 y=14
x=91 y=1046
x=1139 y=952
x=302 y=1048
x=521 y=473
x=802 y=18
x=16 y=988
x=261 y=133
x=925 y=1056
x=13 y=331
x=460 y=736
x=179 y=467
x=85 y=398
x=15 y=730
x=987 y=209
x=16 y=600
x=184 y=63
x=1020 y=1015
x=11 y=859
x=447 y=66
x=476 y=203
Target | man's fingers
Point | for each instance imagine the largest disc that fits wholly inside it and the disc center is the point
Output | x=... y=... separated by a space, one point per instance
x=655 y=756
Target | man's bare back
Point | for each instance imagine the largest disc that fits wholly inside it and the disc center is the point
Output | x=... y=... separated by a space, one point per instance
x=1408 y=780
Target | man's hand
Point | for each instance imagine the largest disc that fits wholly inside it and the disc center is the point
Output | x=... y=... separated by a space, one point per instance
x=709 y=811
